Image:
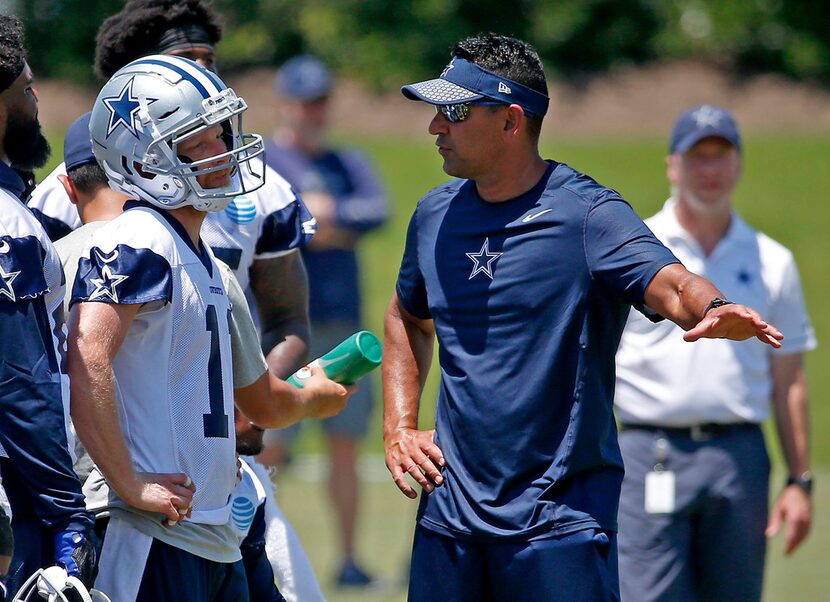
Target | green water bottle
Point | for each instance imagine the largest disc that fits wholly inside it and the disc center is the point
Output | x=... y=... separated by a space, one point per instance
x=355 y=357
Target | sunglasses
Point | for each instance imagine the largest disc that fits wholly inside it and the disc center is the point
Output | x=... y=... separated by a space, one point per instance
x=459 y=112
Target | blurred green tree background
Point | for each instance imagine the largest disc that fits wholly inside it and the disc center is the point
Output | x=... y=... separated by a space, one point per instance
x=380 y=41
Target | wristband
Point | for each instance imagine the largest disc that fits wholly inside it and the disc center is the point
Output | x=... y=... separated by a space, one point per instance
x=804 y=481
x=716 y=302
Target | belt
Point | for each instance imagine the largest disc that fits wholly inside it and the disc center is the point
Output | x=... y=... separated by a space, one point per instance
x=697 y=432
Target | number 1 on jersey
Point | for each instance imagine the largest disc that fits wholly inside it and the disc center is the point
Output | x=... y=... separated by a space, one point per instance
x=215 y=423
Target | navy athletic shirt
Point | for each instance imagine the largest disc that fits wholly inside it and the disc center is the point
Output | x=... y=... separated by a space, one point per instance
x=529 y=298
x=360 y=206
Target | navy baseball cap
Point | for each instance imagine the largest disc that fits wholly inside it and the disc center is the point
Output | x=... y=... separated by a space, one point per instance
x=703 y=122
x=464 y=81
x=77 y=146
x=304 y=78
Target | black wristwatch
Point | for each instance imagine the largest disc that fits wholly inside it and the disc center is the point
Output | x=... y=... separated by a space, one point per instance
x=716 y=302
x=804 y=480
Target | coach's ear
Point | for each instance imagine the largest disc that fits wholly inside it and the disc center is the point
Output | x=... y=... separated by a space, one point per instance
x=69 y=187
x=513 y=120
x=673 y=168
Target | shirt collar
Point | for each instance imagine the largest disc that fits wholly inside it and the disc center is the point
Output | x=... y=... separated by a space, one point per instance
x=9 y=180
x=666 y=225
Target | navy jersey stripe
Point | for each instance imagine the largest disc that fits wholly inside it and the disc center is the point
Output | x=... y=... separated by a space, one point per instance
x=196 y=83
x=124 y=275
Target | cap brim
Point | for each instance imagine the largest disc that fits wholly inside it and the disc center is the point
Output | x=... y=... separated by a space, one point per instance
x=439 y=92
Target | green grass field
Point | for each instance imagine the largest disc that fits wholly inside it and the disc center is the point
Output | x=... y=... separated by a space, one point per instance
x=783 y=193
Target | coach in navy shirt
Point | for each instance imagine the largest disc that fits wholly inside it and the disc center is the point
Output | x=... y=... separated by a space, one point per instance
x=525 y=270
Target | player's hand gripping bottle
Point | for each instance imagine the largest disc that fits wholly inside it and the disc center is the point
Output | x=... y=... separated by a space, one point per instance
x=355 y=357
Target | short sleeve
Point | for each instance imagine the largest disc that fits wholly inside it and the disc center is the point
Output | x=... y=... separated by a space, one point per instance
x=125 y=275
x=52 y=207
x=248 y=362
x=411 y=288
x=21 y=269
x=789 y=314
x=621 y=252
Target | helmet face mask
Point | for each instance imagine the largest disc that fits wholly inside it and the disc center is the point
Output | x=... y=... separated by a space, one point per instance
x=143 y=115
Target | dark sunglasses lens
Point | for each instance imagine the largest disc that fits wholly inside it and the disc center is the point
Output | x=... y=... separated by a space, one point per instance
x=455 y=113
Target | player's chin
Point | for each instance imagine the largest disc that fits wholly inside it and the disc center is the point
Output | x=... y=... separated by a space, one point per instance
x=217 y=179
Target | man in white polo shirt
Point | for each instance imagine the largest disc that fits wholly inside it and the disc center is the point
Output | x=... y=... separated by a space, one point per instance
x=693 y=513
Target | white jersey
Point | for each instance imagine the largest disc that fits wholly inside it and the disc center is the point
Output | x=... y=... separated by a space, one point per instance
x=30 y=268
x=265 y=223
x=663 y=380
x=247 y=497
x=173 y=369
x=49 y=200
x=269 y=222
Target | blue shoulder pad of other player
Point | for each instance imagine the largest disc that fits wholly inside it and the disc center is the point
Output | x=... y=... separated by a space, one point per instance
x=21 y=269
x=288 y=228
x=124 y=275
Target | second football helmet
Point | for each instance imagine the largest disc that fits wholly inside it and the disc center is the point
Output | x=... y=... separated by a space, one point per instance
x=54 y=585
x=147 y=109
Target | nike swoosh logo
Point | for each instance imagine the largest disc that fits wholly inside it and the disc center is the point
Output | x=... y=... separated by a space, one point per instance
x=328 y=362
x=4 y=247
x=533 y=216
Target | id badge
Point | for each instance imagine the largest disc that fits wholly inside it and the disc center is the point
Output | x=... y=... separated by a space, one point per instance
x=660 y=492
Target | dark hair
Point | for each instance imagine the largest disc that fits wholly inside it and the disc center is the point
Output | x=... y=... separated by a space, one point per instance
x=135 y=31
x=88 y=178
x=511 y=58
x=12 y=54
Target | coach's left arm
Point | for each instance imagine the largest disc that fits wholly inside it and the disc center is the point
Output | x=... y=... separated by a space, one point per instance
x=280 y=287
x=684 y=298
x=792 y=419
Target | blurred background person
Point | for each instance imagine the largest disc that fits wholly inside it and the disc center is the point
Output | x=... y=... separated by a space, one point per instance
x=693 y=508
x=341 y=190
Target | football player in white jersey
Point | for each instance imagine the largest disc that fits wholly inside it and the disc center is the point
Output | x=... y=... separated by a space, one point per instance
x=49 y=522
x=152 y=396
x=268 y=543
x=259 y=233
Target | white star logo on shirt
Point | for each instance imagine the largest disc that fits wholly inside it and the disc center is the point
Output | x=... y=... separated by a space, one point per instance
x=105 y=285
x=707 y=116
x=483 y=260
x=6 y=279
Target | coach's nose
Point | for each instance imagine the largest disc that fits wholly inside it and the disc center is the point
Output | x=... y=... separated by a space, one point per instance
x=439 y=124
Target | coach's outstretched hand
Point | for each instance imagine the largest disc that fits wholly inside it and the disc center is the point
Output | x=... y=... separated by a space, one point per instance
x=414 y=452
x=735 y=322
